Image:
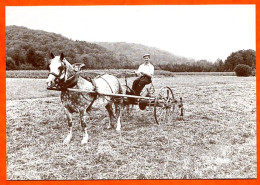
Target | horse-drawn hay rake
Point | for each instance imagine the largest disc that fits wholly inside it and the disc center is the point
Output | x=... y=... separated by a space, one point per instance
x=165 y=107
x=79 y=94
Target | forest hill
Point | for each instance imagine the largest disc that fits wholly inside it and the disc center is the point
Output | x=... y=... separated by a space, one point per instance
x=28 y=49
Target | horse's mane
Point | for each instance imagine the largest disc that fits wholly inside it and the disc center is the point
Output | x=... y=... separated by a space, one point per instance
x=69 y=68
x=67 y=63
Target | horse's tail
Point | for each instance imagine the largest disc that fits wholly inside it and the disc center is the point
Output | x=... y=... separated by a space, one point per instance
x=120 y=90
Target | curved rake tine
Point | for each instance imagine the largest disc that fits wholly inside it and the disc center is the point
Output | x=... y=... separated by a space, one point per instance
x=160 y=95
x=161 y=115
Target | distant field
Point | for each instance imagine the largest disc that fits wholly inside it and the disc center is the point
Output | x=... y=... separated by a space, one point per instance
x=207 y=73
x=90 y=73
x=117 y=72
x=216 y=140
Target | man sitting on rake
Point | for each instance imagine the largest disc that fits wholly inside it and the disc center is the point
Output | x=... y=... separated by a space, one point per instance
x=145 y=73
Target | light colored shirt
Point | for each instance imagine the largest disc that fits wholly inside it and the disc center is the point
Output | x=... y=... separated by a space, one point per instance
x=146 y=68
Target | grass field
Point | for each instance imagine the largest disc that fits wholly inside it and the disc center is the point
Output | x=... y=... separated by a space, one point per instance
x=216 y=140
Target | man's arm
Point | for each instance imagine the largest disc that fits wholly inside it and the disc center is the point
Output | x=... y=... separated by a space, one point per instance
x=146 y=74
x=138 y=72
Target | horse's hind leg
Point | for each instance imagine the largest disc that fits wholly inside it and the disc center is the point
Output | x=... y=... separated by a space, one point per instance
x=110 y=113
x=83 y=125
x=69 y=118
x=118 y=116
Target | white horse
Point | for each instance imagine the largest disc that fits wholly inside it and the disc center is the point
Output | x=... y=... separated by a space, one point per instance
x=62 y=75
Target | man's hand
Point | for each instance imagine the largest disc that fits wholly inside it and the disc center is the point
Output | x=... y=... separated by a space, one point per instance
x=137 y=74
x=145 y=74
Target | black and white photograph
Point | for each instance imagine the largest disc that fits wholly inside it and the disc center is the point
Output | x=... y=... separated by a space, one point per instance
x=131 y=92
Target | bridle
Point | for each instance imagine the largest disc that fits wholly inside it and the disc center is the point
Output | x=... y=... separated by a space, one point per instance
x=57 y=79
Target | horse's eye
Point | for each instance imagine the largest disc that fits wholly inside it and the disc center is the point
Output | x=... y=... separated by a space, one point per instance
x=61 y=68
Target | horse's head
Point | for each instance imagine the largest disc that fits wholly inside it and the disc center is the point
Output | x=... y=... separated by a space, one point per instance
x=57 y=71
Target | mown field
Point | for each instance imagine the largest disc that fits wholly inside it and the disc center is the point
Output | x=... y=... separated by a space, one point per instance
x=216 y=140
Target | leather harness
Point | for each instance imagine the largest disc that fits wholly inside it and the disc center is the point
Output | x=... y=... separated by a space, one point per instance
x=72 y=82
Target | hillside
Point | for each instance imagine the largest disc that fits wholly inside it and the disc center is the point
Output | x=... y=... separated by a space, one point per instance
x=30 y=49
x=134 y=53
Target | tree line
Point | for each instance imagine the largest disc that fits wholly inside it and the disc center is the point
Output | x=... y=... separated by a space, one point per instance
x=246 y=57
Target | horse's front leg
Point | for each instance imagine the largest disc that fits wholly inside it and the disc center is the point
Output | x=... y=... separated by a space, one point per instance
x=69 y=118
x=83 y=125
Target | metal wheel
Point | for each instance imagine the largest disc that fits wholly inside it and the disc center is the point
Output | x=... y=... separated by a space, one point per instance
x=165 y=106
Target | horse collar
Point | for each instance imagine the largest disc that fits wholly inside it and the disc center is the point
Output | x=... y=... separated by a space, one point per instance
x=69 y=83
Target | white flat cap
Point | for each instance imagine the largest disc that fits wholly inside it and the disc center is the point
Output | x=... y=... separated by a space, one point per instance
x=146 y=55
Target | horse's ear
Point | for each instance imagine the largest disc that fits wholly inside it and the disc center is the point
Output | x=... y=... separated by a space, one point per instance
x=61 y=56
x=52 y=56
x=82 y=66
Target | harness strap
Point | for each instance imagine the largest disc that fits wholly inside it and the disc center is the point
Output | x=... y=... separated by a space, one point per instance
x=94 y=96
x=54 y=74
x=107 y=83
x=95 y=89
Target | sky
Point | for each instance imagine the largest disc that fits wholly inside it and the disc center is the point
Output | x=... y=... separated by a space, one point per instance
x=208 y=32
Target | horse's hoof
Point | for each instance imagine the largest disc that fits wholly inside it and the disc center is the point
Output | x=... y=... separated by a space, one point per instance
x=118 y=129
x=84 y=141
x=87 y=148
x=110 y=126
x=67 y=140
